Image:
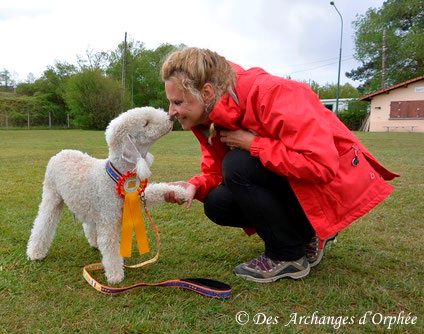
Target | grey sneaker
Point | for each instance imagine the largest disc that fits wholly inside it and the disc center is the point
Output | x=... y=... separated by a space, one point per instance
x=314 y=254
x=264 y=270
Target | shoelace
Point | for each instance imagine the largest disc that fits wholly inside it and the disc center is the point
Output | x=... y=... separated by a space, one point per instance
x=262 y=262
x=312 y=248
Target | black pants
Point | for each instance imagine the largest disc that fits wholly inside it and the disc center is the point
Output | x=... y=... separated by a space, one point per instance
x=253 y=196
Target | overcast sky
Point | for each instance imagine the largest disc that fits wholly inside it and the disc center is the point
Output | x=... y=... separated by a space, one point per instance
x=299 y=38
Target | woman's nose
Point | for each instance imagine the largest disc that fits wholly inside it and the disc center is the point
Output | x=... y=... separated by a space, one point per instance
x=173 y=110
x=172 y=113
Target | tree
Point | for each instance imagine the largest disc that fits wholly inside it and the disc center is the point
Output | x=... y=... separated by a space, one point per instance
x=93 y=60
x=30 y=78
x=93 y=99
x=6 y=81
x=329 y=91
x=142 y=72
x=116 y=59
x=398 y=29
x=148 y=86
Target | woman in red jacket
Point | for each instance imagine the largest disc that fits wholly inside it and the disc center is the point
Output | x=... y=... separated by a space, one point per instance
x=274 y=160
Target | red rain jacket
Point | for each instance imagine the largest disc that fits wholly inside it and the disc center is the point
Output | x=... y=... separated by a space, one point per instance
x=297 y=137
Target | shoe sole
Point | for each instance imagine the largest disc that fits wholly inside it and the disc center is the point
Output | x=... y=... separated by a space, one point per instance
x=328 y=243
x=296 y=275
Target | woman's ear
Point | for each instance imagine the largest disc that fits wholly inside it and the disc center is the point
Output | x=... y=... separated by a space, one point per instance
x=208 y=92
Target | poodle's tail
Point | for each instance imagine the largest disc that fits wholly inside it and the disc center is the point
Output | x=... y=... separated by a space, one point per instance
x=45 y=224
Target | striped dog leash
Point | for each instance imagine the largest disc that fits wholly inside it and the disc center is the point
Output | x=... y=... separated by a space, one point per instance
x=206 y=287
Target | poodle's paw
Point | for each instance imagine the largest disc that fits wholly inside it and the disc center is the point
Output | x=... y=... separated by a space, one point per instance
x=36 y=251
x=180 y=192
x=155 y=193
x=93 y=244
x=114 y=276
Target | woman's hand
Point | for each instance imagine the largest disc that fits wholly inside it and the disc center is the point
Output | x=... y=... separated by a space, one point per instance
x=191 y=191
x=237 y=139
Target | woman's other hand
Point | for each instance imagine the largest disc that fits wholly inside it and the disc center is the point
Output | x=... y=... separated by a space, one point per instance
x=237 y=139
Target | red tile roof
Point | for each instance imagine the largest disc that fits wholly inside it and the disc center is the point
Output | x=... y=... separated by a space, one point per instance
x=388 y=89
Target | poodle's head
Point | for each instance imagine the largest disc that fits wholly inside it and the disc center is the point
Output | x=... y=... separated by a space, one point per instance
x=142 y=125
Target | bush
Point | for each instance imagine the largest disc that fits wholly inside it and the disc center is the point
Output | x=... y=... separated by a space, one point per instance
x=355 y=114
x=93 y=99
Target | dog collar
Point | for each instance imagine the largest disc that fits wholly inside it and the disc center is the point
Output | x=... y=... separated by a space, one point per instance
x=114 y=174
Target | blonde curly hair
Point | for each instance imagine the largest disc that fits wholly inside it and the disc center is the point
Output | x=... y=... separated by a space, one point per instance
x=191 y=68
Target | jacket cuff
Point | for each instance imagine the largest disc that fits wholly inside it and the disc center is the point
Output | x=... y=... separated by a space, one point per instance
x=255 y=147
x=199 y=195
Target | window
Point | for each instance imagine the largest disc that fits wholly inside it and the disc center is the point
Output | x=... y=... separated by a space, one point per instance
x=329 y=106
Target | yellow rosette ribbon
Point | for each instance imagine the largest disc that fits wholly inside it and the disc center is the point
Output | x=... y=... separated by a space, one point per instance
x=130 y=187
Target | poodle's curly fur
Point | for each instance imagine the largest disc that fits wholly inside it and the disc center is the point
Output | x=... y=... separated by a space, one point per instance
x=82 y=183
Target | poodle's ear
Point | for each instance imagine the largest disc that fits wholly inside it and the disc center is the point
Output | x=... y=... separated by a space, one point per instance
x=130 y=152
x=149 y=159
x=108 y=134
x=114 y=133
x=142 y=169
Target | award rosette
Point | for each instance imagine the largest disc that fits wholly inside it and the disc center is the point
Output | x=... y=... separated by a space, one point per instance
x=130 y=188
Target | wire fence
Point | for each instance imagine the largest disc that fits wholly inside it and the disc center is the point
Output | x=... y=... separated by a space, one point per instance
x=14 y=120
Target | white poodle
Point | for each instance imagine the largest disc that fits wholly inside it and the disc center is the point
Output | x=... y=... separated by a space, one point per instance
x=83 y=184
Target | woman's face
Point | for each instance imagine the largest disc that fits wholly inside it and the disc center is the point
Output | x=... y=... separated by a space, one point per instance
x=184 y=107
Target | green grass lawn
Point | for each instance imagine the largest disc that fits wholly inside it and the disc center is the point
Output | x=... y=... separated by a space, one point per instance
x=376 y=265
